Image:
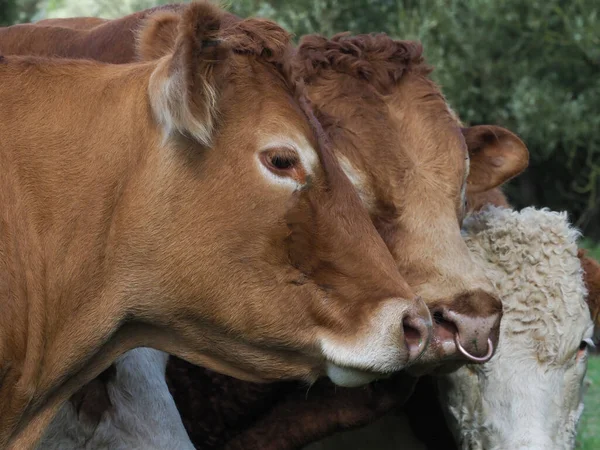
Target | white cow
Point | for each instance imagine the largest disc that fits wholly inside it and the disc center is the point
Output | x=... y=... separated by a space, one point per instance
x=143 y=415
x=529 y=395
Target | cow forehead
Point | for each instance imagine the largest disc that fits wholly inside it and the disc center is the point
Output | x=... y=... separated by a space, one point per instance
x=429 y=150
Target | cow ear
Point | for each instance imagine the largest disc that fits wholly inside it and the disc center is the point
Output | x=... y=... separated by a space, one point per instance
x=496 y=154
x=591 y=270
x=185 y=87
x=156 y=37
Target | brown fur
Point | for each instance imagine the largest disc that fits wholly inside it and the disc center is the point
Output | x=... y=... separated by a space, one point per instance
x=591 y=269
x=115 y=233
x=370 y=66
x=157 y=35
x=386 y=118
x=306 y=415
x=375 y=59
x=477 y=201
x=76 y=23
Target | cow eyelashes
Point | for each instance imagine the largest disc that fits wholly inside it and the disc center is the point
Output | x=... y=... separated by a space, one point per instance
x=283 y=162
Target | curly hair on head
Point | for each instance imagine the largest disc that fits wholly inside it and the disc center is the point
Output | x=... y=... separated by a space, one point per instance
x=374 y=58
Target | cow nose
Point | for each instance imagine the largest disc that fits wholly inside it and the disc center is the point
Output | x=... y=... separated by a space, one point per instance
x=417 y=329
x=471 y=323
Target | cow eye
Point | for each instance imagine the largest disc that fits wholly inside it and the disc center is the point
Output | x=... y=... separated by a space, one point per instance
x=584 y=346
x=283 y=162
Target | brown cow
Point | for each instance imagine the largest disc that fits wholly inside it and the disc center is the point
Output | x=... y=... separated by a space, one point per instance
x=162 y=26
x=189 y=205
x=395 y=115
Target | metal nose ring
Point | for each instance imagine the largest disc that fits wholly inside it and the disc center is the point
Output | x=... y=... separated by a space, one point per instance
x=479 y=359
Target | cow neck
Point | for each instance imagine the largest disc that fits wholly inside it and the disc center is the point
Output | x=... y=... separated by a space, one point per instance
x=63 y=317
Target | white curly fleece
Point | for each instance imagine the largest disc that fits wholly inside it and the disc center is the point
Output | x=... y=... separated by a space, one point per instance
x=529 y=395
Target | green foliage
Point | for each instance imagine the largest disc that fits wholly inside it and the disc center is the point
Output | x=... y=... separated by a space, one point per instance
x=533 y=67
x=16 y=11
x=592 y=247
x=588 y=436
x=108 y=9
x=8 y=12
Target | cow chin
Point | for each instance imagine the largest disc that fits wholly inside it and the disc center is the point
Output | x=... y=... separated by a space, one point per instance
x=349 y=377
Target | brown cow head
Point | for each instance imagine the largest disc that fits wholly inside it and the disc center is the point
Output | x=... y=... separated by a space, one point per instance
x=251 y=231
x=414 y=166
x=591 y=269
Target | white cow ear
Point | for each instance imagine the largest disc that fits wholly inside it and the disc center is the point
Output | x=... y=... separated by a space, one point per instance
x=496 y=154
x=185 y=87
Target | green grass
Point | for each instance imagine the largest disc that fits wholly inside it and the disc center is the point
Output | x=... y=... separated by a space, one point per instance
x=588 y=437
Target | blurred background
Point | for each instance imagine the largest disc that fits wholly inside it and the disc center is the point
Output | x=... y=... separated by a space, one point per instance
x=532 y=66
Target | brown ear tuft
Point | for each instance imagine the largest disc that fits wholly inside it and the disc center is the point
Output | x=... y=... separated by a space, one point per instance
x=591 y=269
x=203 y=18
x=185 y=89
x=200 y=23
x=497 y=155
x=259 y=37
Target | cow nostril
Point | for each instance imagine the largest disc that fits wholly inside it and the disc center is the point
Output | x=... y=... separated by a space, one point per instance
x=411 y=335
x=445 y=330
x=416 y=333
x=472 y=333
